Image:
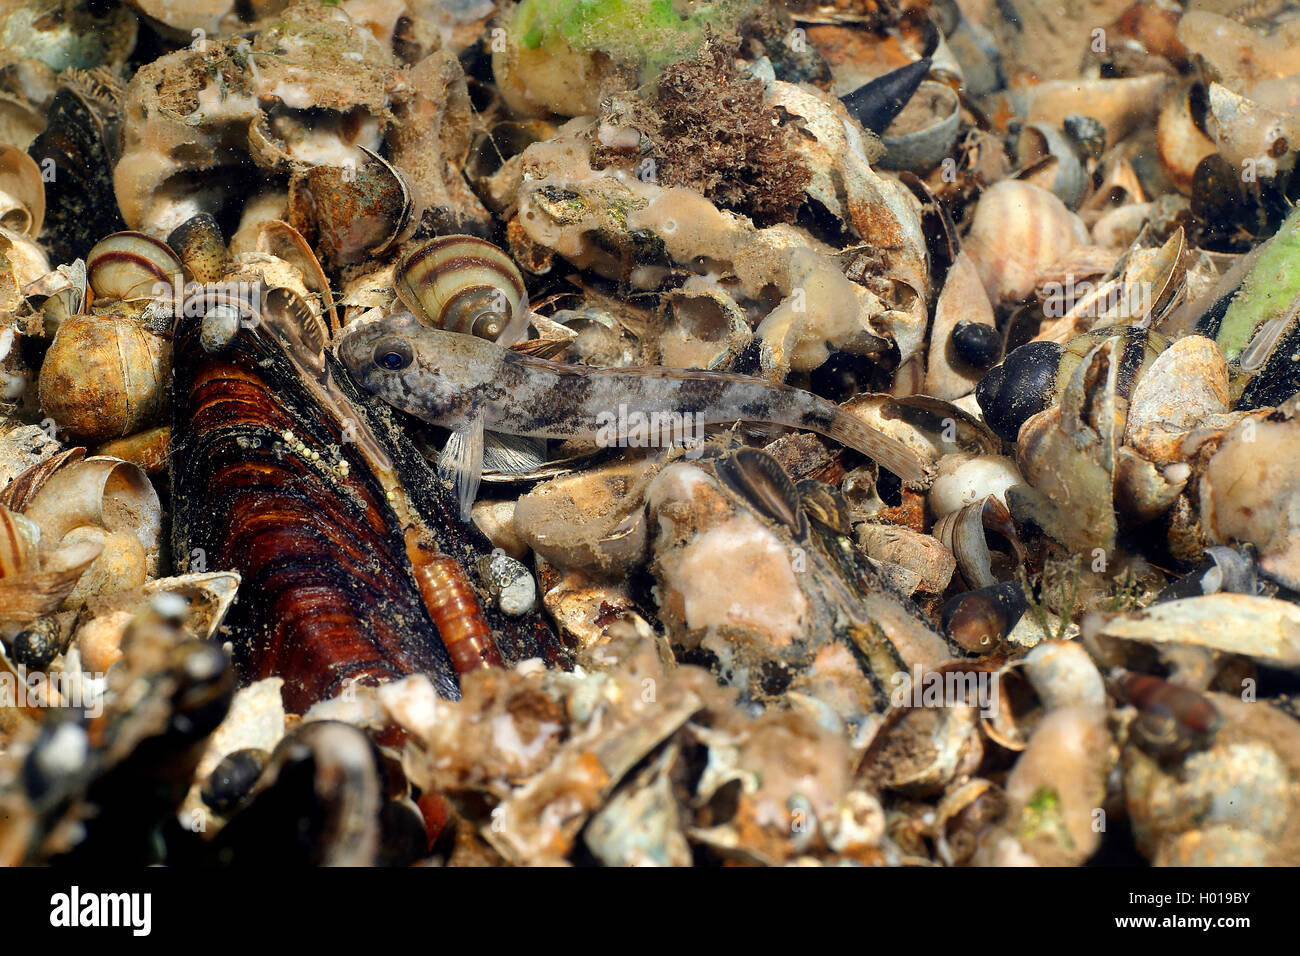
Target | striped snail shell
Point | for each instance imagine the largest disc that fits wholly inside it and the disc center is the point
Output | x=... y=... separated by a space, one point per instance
x=129 y=265
x=464 y=284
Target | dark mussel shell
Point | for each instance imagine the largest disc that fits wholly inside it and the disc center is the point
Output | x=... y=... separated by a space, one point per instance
x=877 y=103
x=1172 y=720
x=80 y=205
x=330 y=592
x=231 y=781
x=319 y=802
x=758 y=478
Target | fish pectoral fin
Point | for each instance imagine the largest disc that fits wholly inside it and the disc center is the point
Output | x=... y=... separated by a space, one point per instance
x=461 y=462
x=512 y=454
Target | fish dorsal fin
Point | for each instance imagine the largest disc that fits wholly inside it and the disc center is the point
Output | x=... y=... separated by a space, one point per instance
x=540 y=348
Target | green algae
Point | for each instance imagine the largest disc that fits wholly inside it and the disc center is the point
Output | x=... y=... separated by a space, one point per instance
x=644 y=34
x=1268 y=291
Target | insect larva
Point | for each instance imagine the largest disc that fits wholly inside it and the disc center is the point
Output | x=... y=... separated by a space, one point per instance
x=455 y=610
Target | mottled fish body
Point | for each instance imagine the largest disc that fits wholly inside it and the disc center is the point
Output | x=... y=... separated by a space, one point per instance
x=469 y=385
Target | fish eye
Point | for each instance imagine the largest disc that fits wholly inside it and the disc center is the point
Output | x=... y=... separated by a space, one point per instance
x=393 y=355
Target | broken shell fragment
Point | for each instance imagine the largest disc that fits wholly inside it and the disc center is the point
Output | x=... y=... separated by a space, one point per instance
x=963 y=532
x=100 y=492
x=22 y=192
x=1018 y=230
x=1248 y=495
x=924 y=132
x=917 y=552
x=707 y=329
x=1263 y=628
x=963 y=341
x=928 y=748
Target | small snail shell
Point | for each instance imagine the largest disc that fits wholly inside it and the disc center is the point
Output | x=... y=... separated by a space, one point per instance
x=105 y=493
x=1023 y=385
x=199 y=245
x=964 y=479
x=1068 y=177
x=129 y=265
x=510 y=582
x=463 y=284
x=978 y=620
x=105 y=377
x=1018 y=231
x=976 y=344
x=22 y=192
x=36 y=646
x=358 y=211
x=27 y=261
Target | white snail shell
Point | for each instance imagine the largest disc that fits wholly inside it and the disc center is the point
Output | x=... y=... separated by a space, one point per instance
x=22 y=192
x=130 y=265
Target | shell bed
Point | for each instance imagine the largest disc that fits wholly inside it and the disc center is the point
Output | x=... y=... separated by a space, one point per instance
x=649 y=432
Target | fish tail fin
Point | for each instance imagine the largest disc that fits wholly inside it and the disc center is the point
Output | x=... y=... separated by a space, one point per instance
x=887 y=451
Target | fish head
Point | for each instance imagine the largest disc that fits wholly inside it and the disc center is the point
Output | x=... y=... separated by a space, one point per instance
x=384 y=356
x=409 y=365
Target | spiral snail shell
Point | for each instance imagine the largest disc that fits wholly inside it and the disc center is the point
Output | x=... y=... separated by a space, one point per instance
x=464 y=284
x=105 y=376
x=22 y=192
x=130 y=265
